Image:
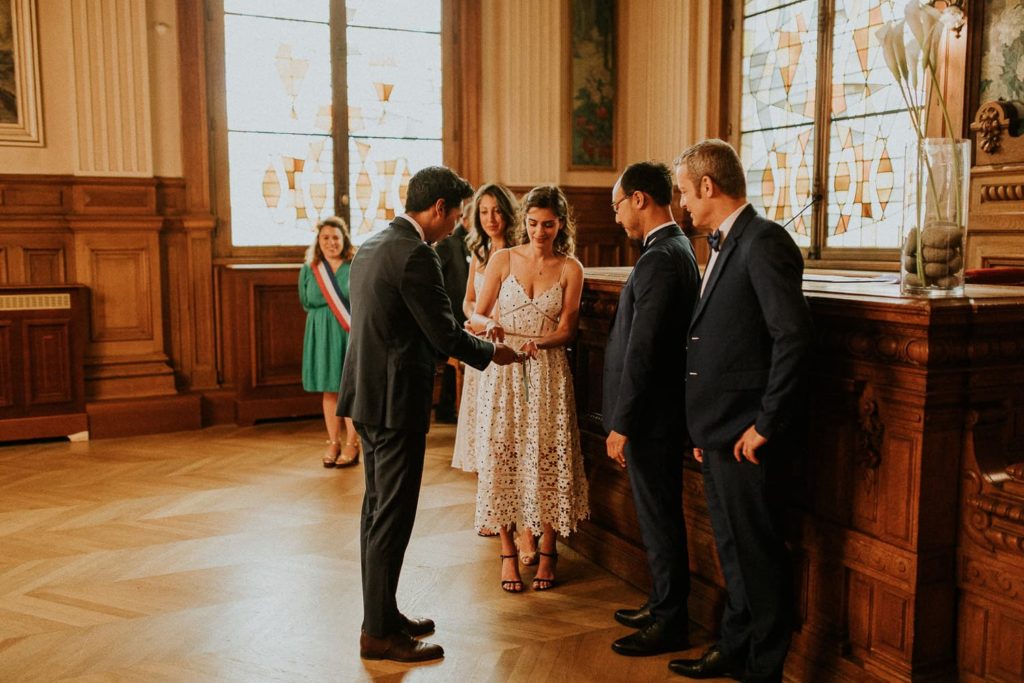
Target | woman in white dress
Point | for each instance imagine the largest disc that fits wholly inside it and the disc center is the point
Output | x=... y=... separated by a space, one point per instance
x=526 y=413
x=494 y=226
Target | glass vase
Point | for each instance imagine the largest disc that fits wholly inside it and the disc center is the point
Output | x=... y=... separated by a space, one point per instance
x=935 y=217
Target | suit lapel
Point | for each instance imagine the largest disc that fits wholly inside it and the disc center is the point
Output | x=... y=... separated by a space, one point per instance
x=735 y=234
x=669 y=231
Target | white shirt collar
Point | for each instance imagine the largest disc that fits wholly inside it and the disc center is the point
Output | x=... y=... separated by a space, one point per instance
x=415 y=225
x=647 y=240
x=730 y=220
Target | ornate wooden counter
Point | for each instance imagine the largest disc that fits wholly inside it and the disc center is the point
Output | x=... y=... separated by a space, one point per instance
x=907 y=508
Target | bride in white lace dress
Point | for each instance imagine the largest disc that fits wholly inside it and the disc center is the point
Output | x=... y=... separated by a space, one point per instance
x=526 y=413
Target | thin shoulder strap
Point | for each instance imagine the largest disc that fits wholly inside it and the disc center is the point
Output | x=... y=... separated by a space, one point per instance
x=565 y=262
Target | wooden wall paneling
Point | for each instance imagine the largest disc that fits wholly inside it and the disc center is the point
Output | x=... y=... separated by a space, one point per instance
x=8 y=384
x=47 y=357
x=120 y=263
x=4 y=256
x=44 y=266
x=267 y=326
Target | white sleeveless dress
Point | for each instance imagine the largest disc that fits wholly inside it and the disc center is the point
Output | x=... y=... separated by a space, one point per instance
x=464 y=455
x=525 y=434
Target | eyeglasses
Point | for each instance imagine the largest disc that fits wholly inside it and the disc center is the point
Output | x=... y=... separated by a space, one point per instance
x=615 y=204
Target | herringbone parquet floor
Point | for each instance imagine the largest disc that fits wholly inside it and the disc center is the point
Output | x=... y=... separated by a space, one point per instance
x=230 y=554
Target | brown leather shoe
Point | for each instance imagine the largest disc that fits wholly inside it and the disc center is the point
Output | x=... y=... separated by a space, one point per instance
x=398 y=647
x=418 y=627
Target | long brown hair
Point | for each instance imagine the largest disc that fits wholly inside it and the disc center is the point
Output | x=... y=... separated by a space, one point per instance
x=552 y=197
x=478 y=241
x=314 y=255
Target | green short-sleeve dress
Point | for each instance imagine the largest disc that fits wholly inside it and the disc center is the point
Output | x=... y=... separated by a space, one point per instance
x=325 y=342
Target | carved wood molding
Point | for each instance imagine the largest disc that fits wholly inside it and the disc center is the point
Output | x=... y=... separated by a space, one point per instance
x=861 y=552
x=1009 y=192
x=872 y=430
x=993 y=496
x=994 y=580
x=996 y=125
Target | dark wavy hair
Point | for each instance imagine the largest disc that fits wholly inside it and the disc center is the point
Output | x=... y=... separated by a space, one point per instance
x=478 y=241
x=315 y=255
x=551 y=197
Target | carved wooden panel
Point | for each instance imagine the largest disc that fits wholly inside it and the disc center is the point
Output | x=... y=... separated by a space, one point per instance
x=264 y=325
x=7 y=380
x=122 y=308
x=48 y=353
x=278 y=326
x=44 y=266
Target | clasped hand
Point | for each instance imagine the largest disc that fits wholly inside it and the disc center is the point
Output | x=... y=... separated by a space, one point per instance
x=744 y=448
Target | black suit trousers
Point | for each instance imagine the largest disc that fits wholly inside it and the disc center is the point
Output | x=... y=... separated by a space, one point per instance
x=393 y=468
x=746 y=516
x=655 y=469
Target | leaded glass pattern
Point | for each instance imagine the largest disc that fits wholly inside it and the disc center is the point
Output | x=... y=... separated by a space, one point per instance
x=394 y=107
x=280 y=115
x=869 y=132
x=281 y=170
x=778 y=104
x=866 y=130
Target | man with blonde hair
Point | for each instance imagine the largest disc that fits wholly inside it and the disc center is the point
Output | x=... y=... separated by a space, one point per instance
x=746 y=350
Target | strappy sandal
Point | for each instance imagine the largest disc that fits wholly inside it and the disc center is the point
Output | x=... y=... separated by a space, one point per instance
x=330 y=455
x=511 y=585
x=540 y=584
x=345 y=460
x=527 y=557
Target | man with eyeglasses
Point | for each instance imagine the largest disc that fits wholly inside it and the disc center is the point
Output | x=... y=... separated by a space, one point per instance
x=644 y=376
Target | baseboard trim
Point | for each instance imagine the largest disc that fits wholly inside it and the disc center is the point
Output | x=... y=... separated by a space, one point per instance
x=154 y=415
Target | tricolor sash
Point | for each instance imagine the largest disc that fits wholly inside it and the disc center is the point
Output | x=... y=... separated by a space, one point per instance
x=331 y=290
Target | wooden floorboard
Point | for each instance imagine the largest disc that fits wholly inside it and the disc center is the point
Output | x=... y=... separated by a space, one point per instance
x=230 y=554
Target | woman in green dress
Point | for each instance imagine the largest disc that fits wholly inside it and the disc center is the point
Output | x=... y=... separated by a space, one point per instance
x=325 y=342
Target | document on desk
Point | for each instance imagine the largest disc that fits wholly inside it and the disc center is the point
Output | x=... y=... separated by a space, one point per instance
x=885 y=278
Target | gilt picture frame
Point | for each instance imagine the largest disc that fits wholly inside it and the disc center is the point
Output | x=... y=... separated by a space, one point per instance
x=20 y=101
x=592 y=86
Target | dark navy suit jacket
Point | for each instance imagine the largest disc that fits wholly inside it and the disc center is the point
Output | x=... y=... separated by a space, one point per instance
x=644 y=362
x=401 y=323
x=749 y=338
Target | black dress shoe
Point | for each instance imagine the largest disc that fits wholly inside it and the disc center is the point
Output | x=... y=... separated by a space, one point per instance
x=655 y=639
x=418 y=627
x=398 y=647
x=712 y=664
x=635 y=618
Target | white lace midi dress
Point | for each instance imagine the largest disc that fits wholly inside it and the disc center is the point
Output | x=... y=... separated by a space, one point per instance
x=465 y=453
x=525 y=434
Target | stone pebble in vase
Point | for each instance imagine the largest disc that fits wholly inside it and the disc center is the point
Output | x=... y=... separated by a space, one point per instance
x=942 y=255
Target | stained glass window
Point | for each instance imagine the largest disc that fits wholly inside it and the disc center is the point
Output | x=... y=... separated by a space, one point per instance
x=865 y=129
x=394 y=104
x=281 y=132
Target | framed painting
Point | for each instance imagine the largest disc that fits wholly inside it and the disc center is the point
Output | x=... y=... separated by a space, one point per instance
x=592 y=84
x=20 y=107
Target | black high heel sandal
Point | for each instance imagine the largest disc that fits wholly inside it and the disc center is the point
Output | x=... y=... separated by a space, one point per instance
x=511 y=585
x=540 y=584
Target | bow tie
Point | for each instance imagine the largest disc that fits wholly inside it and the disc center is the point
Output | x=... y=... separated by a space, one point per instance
x=715 y=240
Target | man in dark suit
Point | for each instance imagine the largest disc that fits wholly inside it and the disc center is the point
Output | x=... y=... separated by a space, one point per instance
x=454 y=255
x=644 y=376
x=401 y=321
x=746 y=351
